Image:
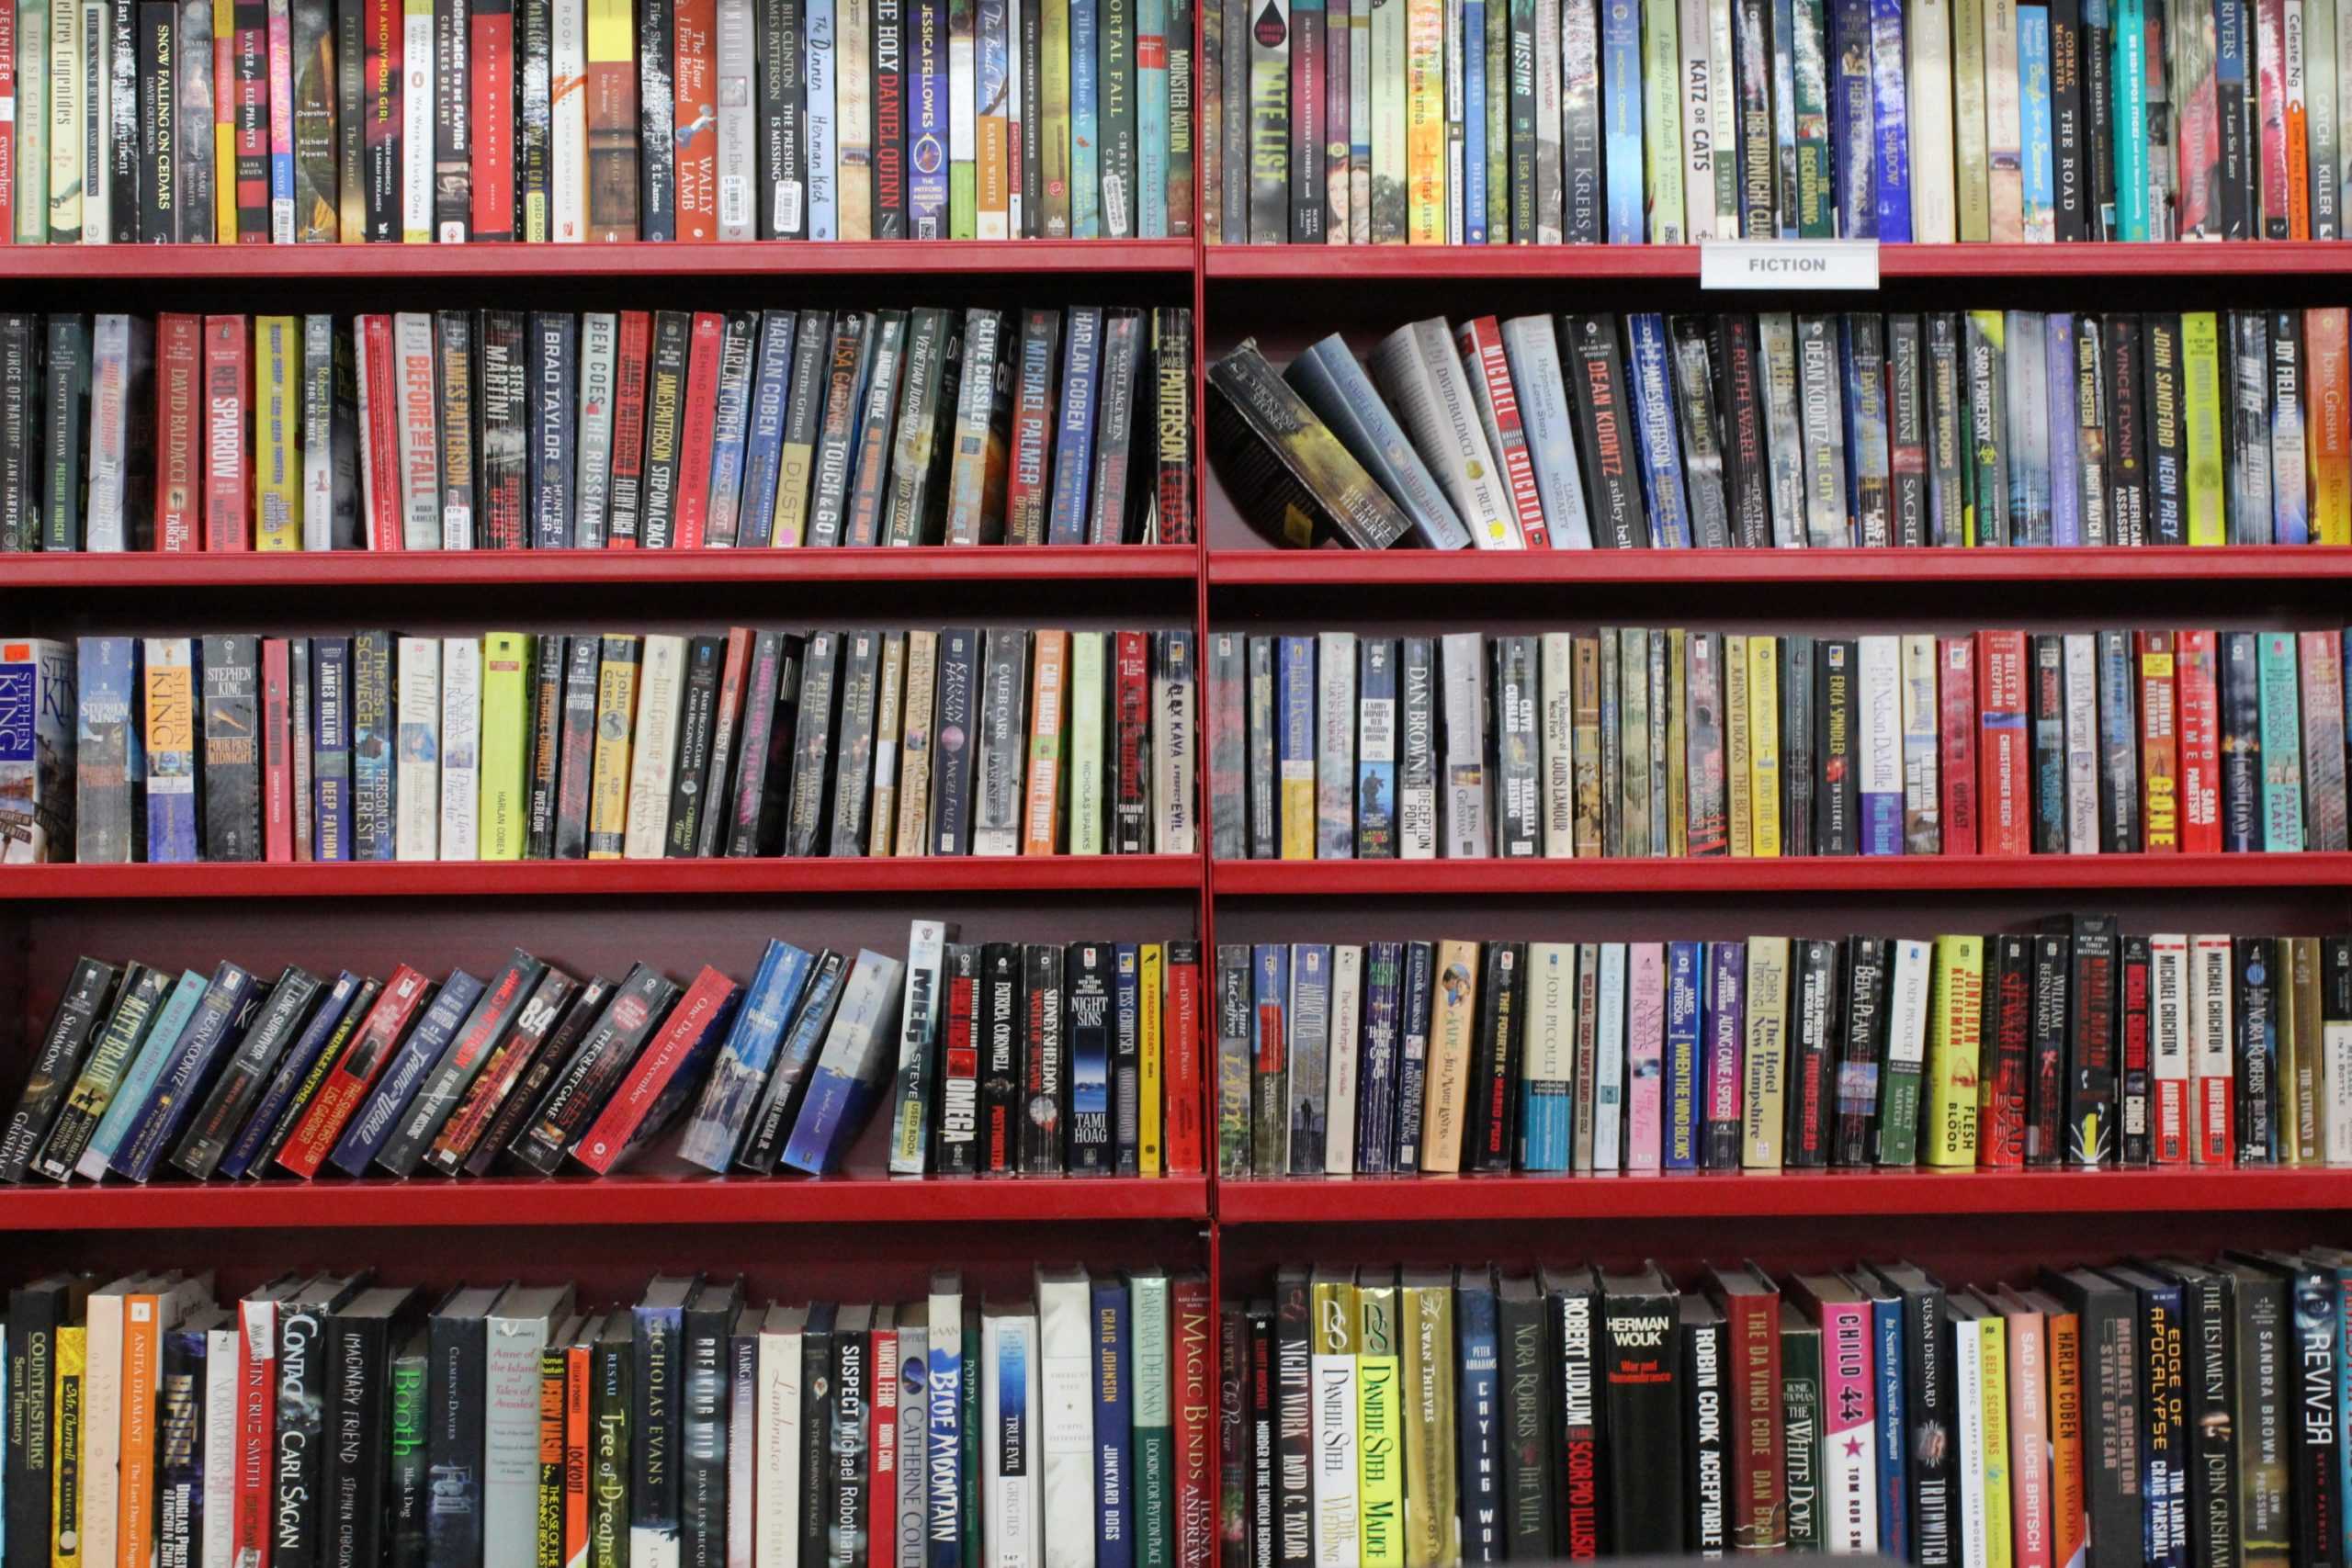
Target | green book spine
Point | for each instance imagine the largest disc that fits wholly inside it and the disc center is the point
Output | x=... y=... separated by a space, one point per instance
x=1800 y=1429
x=1662 y=120
x=1969 y=131
x=1906 y=1056
x=1155 y=1458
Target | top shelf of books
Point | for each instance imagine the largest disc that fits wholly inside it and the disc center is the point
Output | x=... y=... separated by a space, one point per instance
x=1671 y=264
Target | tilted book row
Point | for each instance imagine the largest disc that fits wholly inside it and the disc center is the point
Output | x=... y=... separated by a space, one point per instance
x=1977 y=427
x=508 y=746
x=1677 y=121
x=330 y=1418
x=499 y=429
x=2150 y=1410
x=998 y=1059
x=143 y=122
x=1648 y=742
x=2073 y=1044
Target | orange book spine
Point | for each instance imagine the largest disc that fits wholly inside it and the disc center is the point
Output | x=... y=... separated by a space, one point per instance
x=578 y=1361
x=2327 y=343
x=2299 y=161
x=696 y=105
x=2159 y=747
x=2070 y=1521
x=142 y=1375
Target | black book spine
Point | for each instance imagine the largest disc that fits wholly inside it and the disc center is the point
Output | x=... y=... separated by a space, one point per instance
x=1835 y=800
x=554 y=391
x=2208 y=1321
x=953 y=733
x=20 y=431
x=783 y=210
x=2255 y=1082
x=2127 y=448
x=2070 y=188
x=609 y=1448
x=34 y=1314
x=656 y=1375
x=2240 y=743
x=551 y=657
x=2136 y=1086
x=2006 y=1051
x=454 y=342
x=62 y=1048
x=533 y=119
x=1907 y=430
x=665 y=424
x=1089 y=1030
x=806 y=818
x=890 y=108
x=66 y=400
x=1044 y=1062
x=1798 y=716
x=234 y=1093
x=1947 y=434
x=849 y=1489
x=503 y=441
x=2168 y=520
x=581 y=1088
x=2091 y=1069
x=231 y=783
x=1002 y=1008
x=852 y=744
x=1930 y=1412
x=296 y=1518
x=816 y=1417
x=1524 y=1347
x=2045 y=1092
x=1707 y=1412
x=690 y=784
x=452 y=121
x=1745 y=464
x=1494 y=1127
x=702 y=1479
x=1859 y=1064
x=960 y=1041
x=1597 y=388
x=124 y=131
x=179 y=1442
x=1293 y=1419
x=2046 y=699
x=1113 y=495
x=657 y=164
x=2098 y=127
x=1029 y=49
x=1640 y=1394
x=158 y=140
x=356 y=1349
x=454 y=1415
x=2318 y=1485
x=1818 y=1046
x=2233 y=39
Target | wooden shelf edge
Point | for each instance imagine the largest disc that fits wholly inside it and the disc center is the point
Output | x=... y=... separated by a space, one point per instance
x=1823 y=874
x=1272 y=567
x=1784 y=1194
x=501 y=879
x=612 y=1201
x=2245 y=258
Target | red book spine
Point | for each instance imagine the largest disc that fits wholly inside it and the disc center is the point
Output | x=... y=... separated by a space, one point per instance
x=385 y=522
x=347 y=1085
x=695 y=96
x=698 y=429
x=1482 y=344
x=882 y=1441
x=578 y=1436
x=631 y=351
x=491 y=122
x=227 y=381
x=1131 y=713
x=2159 y=764
x=679 y=1040
x=1958 y=726
x=276 y=752
x=256 y=1432
x=1180 y=1054
x=2200 y=743
x=1193 y=1402
x=2137 y=1084
x=2004 y=758
x=1752 y=1448
x=179 y=432
x=2000 y=1100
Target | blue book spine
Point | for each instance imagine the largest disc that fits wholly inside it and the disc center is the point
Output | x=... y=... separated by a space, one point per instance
x=1474 y=121
x=1384 y=970
x=730 y=424
x=1853 y=119
x=1721 y=1084
x=1851 y=418
x=2033 y=109
x=331 y=748
x=1683 y=1026
x=1295 y=722
x=1478 y=1424
x=820 y=80
x=743 y=1060
x=1114 y=1532
x=1412 y=1050
x=288 y=1078
x=1659 y=445
x=227 y=1005
x=764 y=448
x=380 y=1115
x=146 y=1069
x=2130 y=120
x=1620 y=76
x=1891 y=123
x=2065 y=491
x=927 y=118
x=1085 y=105
x=1376 y=749
x=943 y=1451
x=1894 y=1482
x=1784 y=114
x=1546 y=1092
x=1074 y=431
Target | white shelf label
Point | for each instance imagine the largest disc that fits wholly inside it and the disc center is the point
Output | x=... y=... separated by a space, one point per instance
x=1788 y=264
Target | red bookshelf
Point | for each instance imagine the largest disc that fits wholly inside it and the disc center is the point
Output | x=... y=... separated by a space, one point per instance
x=1774 y=568
x=1679 y=263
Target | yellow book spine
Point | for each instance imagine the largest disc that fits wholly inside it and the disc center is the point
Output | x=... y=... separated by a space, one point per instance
x=1337 y=1445
x=66 y=81
x=2327 y=335
x=615 y=719
x=1955 y=1024
x=1380 y=1470
x=224 y=133
x=1151 y=966
x=1677 y=720
x=1056 y=200
x=1432 y=1532
x=506 y=743
x=1764 y=747
x=1737 y=779
x=277 y=457
x=1993 y=1376
x=1425 y=122
x=65 y=1451
x=2200 y=364
x=1448 y=1080
x=142 y=1373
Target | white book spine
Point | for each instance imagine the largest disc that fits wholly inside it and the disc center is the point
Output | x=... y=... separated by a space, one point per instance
x=1556 y=660
x=1335 y=751
x=460 y=746
x=1551 y=78
x=1012 y=1538
x=2210 y=1062
x=1462 y=787
x=1531 y=345
x=739 y=180
x=416 y=124
x=654 y=754
x=109 y=388
x=2169 y=1032
x=1880 y=773
x=776 y=1531
x=417 y=771
x=1421 y=374
x=568 y=121
x=2336 y=1074
x=1692 y=33
x=1922 y=789
x=1334 y=1465
x=1066 y=1419
x=510 y=1437
x=1609 y=1062
x=420 y=429
x=1723 y=114
x=2082 y=744
x=1907 y=1041
x=1087 y=659
x=1340 y=1084
x=1969 y=1360
x=918 y=1033
x=1457 y=181
x=1927 y=35
x=318 y=445
x=592 y=487
x=1174 y=791
x=218 y=1548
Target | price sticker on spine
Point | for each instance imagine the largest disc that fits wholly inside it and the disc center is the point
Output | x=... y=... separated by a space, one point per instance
x=1837 y=266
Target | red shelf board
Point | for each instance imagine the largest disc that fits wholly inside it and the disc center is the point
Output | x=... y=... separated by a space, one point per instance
x=612 y=1201
x=1270 y=568
x=95 y=264
x=454 y=879
x=1839 y=873
x=1433 y=1200
x=1680 y=263
x=460 y=568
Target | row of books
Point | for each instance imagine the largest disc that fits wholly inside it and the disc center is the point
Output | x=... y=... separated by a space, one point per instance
x=2073 y=1044
x=332 y=1419
x=2145 y=1411
x=1648 y=742
x=1975 y=427
x=499 y=429
x=569 y=120
x=509 y=746
x=1688 y=120
x=998 y=1059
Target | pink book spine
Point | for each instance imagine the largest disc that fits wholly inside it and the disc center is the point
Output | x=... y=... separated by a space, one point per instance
x=2029 y=1477
x=1849 y=1409
x=1644 y=1053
